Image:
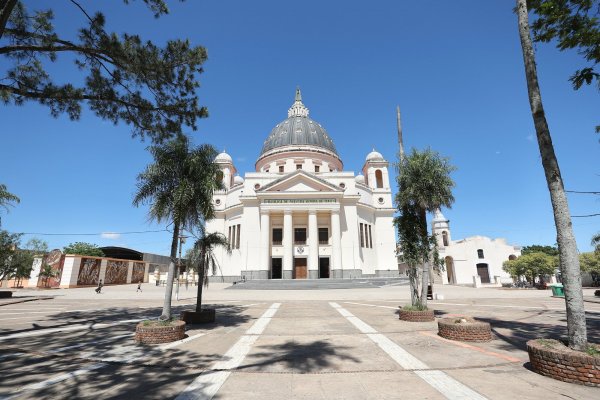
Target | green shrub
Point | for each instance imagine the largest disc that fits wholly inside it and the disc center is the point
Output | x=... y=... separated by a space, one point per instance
x=417 y=307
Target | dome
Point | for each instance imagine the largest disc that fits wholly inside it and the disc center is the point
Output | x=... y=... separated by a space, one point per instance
x=223 y=157
x=360 y=178
x=238 y=180
x=299 y=130
x=374 y=156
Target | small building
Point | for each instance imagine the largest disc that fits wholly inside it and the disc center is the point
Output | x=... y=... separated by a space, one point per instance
x=476 y=260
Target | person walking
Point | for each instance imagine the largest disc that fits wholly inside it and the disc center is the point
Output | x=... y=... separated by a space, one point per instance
x=139 y=288
x=99 y=288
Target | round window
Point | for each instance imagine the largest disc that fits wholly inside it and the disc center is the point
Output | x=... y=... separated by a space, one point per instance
x=218 y=201
x=343 y=185
x=257 y=186
x=380 y=200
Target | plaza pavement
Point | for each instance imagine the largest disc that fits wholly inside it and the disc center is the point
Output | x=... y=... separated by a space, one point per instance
x=279 y=344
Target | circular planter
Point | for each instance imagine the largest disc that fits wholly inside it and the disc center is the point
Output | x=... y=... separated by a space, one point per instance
x=464 y=329
x=416 y=316
x=553 y=359
x=156 y=332
x=206 y=316
x=4 y=294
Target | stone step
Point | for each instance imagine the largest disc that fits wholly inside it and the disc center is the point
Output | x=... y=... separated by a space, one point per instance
x=316 y=284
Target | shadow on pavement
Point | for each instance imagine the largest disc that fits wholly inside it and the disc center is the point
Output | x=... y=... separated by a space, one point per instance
x=108 y=362
x=522 y=330
x=301 y=357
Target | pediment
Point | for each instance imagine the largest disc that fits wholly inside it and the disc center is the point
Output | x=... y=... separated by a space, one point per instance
x=299 y=181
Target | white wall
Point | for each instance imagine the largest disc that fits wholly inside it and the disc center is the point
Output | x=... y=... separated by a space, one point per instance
x=464 y=254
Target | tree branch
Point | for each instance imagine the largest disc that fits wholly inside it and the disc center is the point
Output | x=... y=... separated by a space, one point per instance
x=33 y=94
x=6 y=7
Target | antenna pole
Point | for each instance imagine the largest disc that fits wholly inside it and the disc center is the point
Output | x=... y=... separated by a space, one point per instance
x=400 y=142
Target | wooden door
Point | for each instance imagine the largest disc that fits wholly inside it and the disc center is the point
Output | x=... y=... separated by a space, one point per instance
x=300 y=270
x=483 y=272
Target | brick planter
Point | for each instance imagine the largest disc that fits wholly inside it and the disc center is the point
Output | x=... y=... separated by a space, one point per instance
x=553 y=359
x=206 y=316
x=155 y=333
x=468 y=330
x=5 y=294
x=416 y=316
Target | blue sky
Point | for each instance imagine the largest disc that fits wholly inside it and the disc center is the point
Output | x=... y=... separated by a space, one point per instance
x=455 y=69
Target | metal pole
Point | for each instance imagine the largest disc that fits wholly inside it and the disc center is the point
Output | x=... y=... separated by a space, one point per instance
x=400 y=139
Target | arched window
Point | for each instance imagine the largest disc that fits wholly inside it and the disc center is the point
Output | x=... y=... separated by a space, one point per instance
x=445 y=238
x=379 y=178
x=480 y=253
x=220 y=176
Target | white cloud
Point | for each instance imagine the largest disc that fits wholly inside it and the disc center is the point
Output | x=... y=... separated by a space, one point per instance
x=531 y=137
x=110 y=235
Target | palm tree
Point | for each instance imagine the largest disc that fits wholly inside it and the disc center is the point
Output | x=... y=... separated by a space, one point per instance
x=596 y=242
x=179 y=186
x=6 y=198
x=201 y=258
x=424 y=185
x=567 y=247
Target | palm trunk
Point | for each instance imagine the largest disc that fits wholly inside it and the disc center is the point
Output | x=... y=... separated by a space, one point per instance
x=166 y=313
x=201 y=277
x=413 y=276
x=425 y=268
x=567 y=247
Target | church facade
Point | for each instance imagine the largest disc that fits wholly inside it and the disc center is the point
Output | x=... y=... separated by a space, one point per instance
x=475 y=260
x=300 y=215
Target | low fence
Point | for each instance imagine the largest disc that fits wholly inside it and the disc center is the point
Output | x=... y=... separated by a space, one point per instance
x=76 y=271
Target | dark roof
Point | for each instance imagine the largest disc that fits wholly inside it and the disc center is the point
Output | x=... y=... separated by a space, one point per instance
x=122 y=253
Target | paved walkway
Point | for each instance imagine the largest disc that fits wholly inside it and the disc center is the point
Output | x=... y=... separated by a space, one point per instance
x=326 y=344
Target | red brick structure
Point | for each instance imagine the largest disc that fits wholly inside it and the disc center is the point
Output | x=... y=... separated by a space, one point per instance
x=468 y=331
x=553 y=359
x=155 y=333
x=416 y=316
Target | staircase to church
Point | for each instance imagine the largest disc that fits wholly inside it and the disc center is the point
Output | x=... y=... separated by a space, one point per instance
x=317 y=284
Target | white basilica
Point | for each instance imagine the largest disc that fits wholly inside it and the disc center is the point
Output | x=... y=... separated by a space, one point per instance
x=300 y=215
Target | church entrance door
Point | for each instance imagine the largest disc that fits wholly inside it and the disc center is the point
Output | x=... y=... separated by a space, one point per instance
x=300 y=269
x=483 y=272
x=324 y=267
x=276 y=268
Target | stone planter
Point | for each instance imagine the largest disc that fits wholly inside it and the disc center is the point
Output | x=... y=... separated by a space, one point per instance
x=553 y=359
x=416 y=316
x=5 y=294
x=206 y=316
x=157 y=332
x=464 y=329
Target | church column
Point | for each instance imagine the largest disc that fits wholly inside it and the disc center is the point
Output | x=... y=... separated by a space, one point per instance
x=313 y=245
x=265 y=230
x=288 y=244
x=336 y=237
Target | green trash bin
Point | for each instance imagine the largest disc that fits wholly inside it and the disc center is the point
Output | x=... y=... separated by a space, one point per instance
x=558 y=290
